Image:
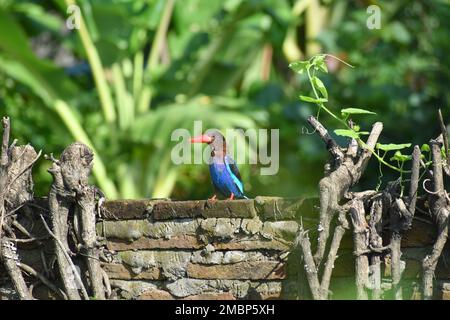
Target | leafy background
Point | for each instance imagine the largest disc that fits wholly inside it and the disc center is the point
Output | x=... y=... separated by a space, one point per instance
x=137 y=70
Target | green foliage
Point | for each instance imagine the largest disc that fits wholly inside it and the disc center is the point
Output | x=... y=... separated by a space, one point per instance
x=128 y=113
x=313 y=100
x=351 y=129
x=398 y=156
x=350 y=111
x=392 y=146
x=350 y=133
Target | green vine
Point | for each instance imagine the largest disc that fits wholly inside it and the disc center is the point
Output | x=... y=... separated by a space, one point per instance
x=317 y=64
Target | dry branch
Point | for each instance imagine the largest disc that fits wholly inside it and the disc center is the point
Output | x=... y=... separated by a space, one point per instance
x=440 y=209
x=16 y=189
x=86 y=203
x=71 y=192
x=312 y=276
x=375 y=243
x=44 y=280
x=360 y=245
x=401 y=216
x=59 y=205
x=343 y=171
x=444 y=133
x=344 y=174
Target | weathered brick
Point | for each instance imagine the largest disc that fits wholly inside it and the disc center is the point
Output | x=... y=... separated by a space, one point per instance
x=128 y=209
x=445 y=295
x=201 y=208
x=131 y=289
x=178 y=242
x=215 y=257
x=155 y=294
x=254 y=270
x=131 y=230
x=231 y=257
x=268 y=290
x=227 y=257
x=275 y=208
x=211 y=296
x=191 y=242
x=279 y=229
x=221 y=228
x=172 y=263
x=253 y=244
x=238 y=288
x=120 y=271
x=251 y=226
x=445 y=286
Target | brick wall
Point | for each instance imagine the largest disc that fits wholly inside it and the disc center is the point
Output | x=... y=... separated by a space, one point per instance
x=232 y=250
x=189 y=250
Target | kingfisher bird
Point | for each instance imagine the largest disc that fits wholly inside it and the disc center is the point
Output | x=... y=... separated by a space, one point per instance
x=222 y=168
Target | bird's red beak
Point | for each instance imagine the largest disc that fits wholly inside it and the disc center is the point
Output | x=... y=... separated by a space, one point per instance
x=201 y=139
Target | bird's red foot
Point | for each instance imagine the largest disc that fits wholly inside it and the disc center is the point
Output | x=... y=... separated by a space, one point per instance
x=231 y=197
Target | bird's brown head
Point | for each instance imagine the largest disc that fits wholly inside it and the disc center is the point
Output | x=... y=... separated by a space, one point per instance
x=215 y=139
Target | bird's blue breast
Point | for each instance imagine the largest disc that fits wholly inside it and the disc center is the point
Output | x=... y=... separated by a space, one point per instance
x=224 y=180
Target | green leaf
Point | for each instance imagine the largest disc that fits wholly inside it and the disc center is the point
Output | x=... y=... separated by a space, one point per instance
x=318 y=84
x=347 y=133
x=299 y=66
x=425 y=148
x=392 y=146
x=313 y=100
x=40 y=15
x=319 y=63
x=348 y=111
x=400 y=157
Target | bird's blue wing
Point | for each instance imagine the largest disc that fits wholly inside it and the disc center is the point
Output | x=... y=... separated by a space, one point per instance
x=234 y=172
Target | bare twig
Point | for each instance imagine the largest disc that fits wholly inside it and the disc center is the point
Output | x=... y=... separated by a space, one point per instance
x=415 y=171
x=445 y=141
x=44 y=280
x=69 y=260
x=329 y=142
x=342 y=177
x=11 y=262
x=310 y=267
x=360 y=240
x=14 y=192
x=332 y=256
x=376 y=247
x=440 y=210
x=5 y=141
x=24 y=169
x=86 y=203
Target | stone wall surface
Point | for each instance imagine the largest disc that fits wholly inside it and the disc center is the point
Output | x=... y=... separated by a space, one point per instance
x=199 y=250
x=241 y=249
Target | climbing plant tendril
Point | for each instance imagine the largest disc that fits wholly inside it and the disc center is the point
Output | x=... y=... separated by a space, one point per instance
x=317 y=64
